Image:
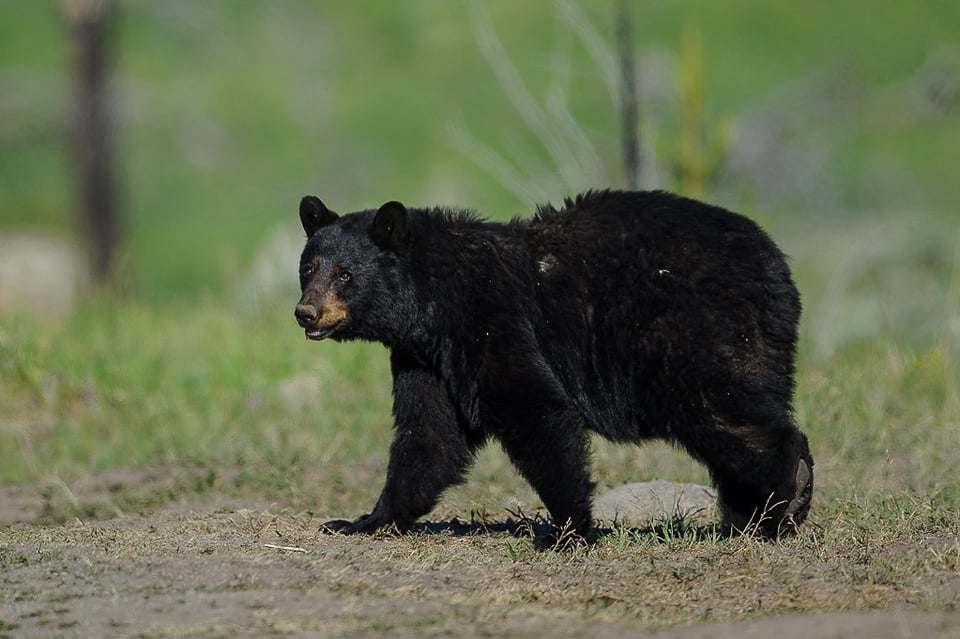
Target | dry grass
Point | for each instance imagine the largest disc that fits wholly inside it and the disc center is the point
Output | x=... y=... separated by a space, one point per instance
x=160 y=574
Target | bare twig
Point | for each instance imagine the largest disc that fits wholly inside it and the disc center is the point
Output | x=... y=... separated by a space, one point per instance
x=287 y=548
x=573 y=158
x=505 y=173
x=602 y=55
x=566 y=161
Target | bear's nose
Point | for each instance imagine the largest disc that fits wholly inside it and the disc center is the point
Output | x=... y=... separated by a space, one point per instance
x=306 y=314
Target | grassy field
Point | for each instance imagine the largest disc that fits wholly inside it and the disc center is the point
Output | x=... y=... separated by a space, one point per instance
x=195 y=389
x=216 y=533
x=145 y=388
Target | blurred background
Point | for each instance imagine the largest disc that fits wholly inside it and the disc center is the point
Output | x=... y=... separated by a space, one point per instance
x=152 y=155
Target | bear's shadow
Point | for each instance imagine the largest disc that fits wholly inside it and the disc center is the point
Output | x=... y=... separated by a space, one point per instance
x=661 y=531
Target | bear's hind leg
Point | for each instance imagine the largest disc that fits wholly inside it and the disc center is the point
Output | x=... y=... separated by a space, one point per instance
x=551 y=453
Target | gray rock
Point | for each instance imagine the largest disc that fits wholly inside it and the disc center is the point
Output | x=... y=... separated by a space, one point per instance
x=39 y=274
x=646 y=502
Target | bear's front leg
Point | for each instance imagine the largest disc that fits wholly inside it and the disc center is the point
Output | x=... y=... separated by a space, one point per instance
x=430 y=452
x=380 y=518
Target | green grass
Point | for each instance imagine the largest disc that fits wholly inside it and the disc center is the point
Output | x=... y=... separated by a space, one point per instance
x=126 y=385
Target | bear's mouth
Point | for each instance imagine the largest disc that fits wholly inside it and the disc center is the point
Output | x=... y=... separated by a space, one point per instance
x=318 y=333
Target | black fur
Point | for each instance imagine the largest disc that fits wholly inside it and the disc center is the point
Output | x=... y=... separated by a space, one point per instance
x=635 y=315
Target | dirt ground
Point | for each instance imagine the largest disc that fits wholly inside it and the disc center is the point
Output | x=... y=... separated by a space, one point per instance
x=251 y=568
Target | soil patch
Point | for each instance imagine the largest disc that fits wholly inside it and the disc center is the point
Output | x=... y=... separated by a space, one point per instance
x=219 y=570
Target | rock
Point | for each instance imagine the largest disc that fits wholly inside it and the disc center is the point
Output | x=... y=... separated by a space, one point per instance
x=646 y=502
x=39 y=275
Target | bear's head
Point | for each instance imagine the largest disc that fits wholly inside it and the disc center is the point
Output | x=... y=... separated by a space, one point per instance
x=352 y=281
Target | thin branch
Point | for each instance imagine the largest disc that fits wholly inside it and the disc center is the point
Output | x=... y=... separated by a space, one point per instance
x=603 y=57
x=495 y=165
x=533 y=116
x=558 y=100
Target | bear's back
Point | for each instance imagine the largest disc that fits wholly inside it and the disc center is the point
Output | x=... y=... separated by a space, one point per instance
x=657 y=295
x=650 y=224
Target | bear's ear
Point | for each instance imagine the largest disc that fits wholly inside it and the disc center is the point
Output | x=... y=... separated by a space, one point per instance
x=389 y=228
x=314 y=214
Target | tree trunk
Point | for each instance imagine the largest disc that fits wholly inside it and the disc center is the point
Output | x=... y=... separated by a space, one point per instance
x=92 y=134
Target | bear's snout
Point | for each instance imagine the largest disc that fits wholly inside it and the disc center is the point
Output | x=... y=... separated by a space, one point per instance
x=306 y=315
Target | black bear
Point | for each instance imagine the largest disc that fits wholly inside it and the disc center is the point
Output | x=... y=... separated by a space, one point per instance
x=634 y=315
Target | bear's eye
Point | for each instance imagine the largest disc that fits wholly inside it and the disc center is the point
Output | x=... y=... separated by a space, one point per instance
x=307 y=272
x=345 y=276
